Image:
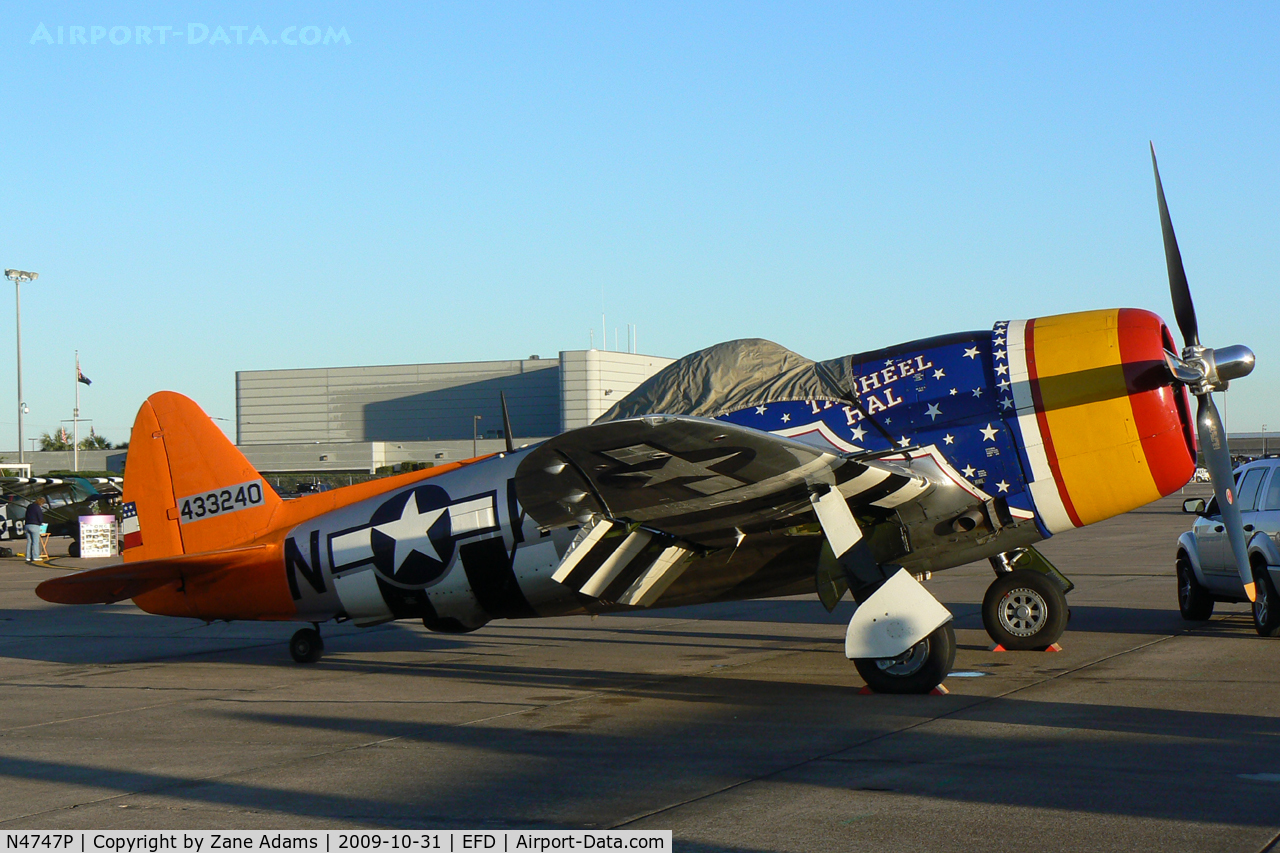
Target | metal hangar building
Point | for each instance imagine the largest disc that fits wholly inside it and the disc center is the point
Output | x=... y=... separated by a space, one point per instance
x=364 y=418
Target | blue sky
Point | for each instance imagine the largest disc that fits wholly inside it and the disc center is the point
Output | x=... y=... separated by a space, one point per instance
x=466 y=181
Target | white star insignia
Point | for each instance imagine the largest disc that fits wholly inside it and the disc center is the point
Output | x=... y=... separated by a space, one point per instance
x=953 y=392
x=1000 y=353
x=977 y=392
x=410 y=532
x=971 y=352
x=998 y=341
x=939 y=373
x=904 y=441
x=968 y=471
x=760 y=410
x=1006 y=403
x=949 y=439
x=1002 y=486
x=888 y=362
x=933 y=412
x=1004 y=385
x=989 y=434
x=1002 y=369
x=786 y=419
x=858 y=433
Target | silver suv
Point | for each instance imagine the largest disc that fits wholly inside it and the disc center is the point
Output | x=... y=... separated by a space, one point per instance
x=1206 y=569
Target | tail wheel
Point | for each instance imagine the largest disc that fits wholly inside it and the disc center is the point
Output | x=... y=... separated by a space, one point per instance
x=917 y=670
x=1024 y=610
x=306 y=646
x=1194 y=603
x=1266 y=607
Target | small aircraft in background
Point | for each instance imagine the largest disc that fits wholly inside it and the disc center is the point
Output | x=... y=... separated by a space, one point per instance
x=741 y=471
x=66 y=499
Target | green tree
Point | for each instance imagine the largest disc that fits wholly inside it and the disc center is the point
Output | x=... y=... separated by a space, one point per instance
x=58 y=441
x=95 y=442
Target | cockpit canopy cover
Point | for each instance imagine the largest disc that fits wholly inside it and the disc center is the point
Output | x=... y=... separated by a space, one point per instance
x=732 y=376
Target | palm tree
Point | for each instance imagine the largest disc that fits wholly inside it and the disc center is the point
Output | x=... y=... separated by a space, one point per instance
x=58 y=441
x=95 y=442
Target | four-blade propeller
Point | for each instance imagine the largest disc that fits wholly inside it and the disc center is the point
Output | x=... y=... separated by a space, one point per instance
x=1205 y=370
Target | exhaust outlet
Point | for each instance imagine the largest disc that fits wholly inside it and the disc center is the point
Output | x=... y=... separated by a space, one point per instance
x=969 y=521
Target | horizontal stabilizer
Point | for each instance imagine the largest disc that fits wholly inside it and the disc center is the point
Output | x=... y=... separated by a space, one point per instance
x=117 y=583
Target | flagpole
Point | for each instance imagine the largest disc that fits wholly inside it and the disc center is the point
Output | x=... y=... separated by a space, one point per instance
x=75 y=422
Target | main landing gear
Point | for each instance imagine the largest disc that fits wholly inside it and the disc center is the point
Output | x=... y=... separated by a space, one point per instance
x=306 y=646
x=919 y=669
x=1025 y=607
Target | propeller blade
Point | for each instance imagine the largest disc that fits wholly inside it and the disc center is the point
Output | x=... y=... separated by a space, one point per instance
x=1183 y=308
x=1217 y=458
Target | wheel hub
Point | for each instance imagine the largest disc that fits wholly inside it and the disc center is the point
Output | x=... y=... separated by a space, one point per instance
x=1023 y=612
x=908 y=662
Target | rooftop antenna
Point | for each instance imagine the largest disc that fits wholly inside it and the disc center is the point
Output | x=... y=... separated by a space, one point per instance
x=506 y=422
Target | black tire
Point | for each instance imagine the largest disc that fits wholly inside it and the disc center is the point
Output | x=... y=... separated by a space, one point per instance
x=920 y=669
x=306 y=646
x=1194 y=603
x=73 y=549
x=1024 y=610
x=1266 y=607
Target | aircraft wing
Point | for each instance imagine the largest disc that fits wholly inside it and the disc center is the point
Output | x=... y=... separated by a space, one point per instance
x=30 y=488
x=678 y=485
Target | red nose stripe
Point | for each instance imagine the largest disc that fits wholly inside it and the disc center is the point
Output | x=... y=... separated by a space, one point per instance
x=1042 y=419
x=1153 y=400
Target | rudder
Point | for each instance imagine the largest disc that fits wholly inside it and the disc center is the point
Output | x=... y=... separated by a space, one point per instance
x=193 y=489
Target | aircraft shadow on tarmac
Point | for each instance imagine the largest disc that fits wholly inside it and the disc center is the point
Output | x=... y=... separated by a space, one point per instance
x=635 y=729
x=614 y=758
x=122 y=634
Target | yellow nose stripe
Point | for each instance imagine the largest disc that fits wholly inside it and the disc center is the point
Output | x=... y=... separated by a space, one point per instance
x=1084 y=403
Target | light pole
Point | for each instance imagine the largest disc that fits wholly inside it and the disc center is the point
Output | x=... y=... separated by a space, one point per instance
x=1264 y=441
x=475 y=423
x=18 y=277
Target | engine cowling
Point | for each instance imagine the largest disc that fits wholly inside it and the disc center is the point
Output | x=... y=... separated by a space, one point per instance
x=1103 y=426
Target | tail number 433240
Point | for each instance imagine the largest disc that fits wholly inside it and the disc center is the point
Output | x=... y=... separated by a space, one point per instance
x=220 y=501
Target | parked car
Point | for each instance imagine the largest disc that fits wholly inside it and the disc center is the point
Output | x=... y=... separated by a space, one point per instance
x=1207 y=570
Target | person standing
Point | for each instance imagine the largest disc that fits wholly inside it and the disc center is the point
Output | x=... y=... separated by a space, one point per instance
x=34 y=526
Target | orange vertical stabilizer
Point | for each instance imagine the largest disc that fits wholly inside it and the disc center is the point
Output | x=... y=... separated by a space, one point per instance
x=194 y=491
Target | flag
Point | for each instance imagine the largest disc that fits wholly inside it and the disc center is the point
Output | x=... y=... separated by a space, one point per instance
x=129 y=525
x=80 y=377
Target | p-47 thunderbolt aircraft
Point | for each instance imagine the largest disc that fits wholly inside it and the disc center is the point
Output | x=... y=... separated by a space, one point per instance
x=741 y=471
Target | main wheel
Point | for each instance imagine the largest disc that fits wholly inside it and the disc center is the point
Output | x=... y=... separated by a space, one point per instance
x=306 y=646
x=1194 y=603
x=1024 y=610
x=917 y=670
x=1266 y=607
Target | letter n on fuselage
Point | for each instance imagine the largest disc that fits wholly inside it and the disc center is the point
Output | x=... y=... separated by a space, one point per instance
x=294 y=564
